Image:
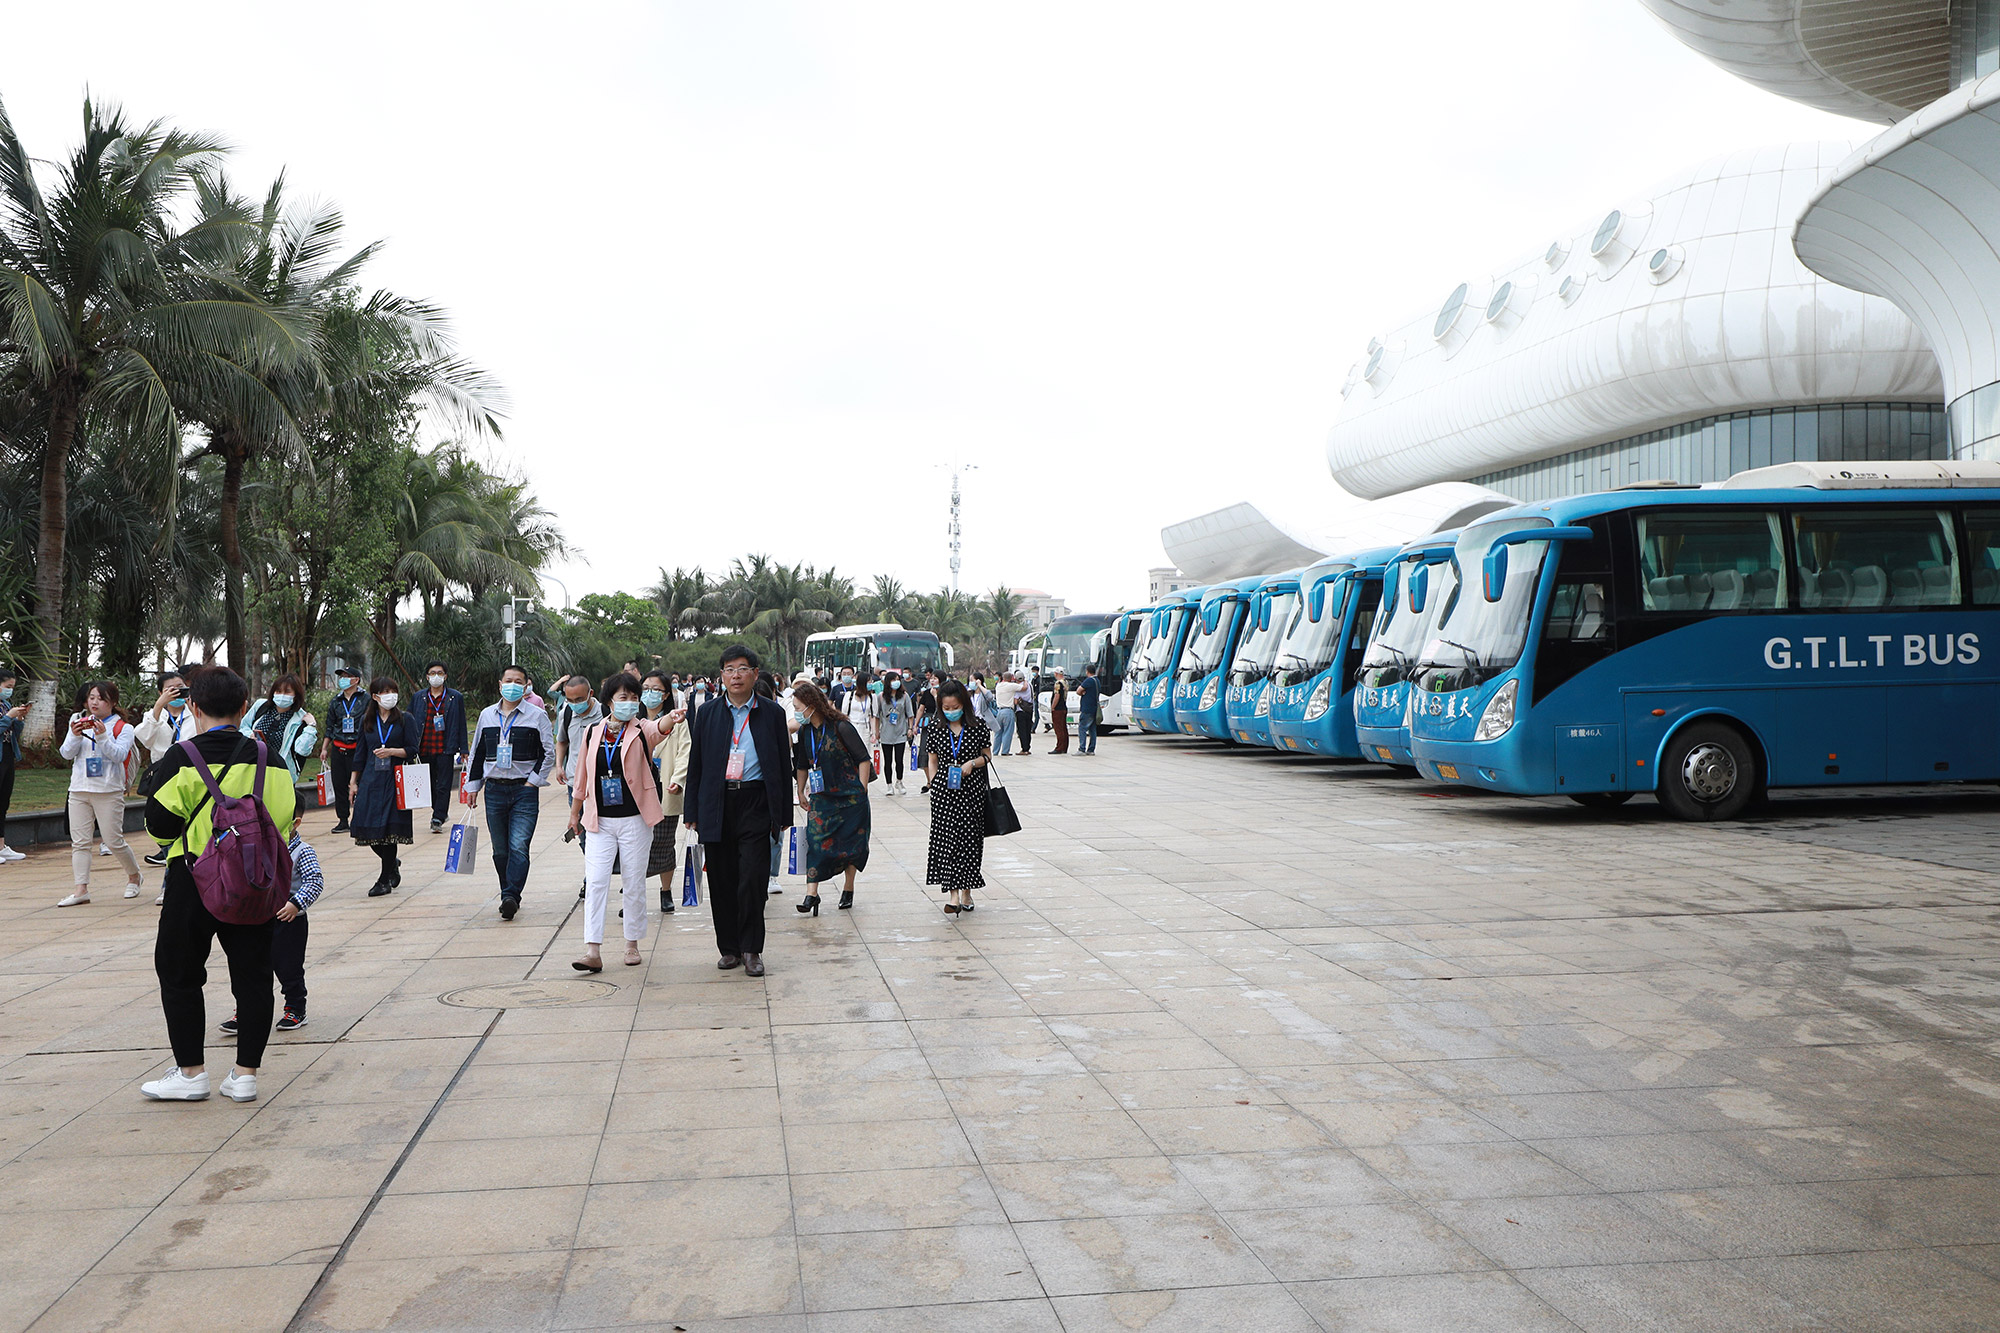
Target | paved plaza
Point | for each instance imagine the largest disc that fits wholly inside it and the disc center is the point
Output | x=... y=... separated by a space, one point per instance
x=1235 y=1040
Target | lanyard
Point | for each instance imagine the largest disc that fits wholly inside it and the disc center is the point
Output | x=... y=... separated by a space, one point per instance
x=610 y=744
x=437 y=706
x=812 y=739
x=381 y=732
x=956 y=738
x=507 y=721
x=736 y=740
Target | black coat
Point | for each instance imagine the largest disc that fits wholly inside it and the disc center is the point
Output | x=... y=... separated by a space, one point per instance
x=708 y=763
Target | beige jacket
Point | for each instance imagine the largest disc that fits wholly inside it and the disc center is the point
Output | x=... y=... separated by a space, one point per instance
x=673 y=756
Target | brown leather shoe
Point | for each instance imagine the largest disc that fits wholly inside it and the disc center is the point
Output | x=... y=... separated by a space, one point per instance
x=728 y=961
x=753 y=964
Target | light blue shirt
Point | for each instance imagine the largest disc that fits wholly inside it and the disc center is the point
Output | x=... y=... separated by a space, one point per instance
x=739 y=721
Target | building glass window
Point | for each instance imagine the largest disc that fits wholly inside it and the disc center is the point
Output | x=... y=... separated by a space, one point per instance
x=1975 y=40
x=1715 y=448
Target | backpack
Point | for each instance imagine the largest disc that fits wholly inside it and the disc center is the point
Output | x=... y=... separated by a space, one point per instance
x=244 y=874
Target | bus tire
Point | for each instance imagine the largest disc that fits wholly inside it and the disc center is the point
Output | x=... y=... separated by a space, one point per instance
x=1601 y=800
x=1708 y=771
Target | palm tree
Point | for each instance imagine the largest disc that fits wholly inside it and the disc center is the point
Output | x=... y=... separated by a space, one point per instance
x=96 y=331
x=789 y=612
x=286 y=260
x=834 y=595
x=885 y=598
x=1001 y=623
x=678 y=595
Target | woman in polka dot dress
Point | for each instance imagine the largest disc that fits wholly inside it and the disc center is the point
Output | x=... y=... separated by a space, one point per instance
x=957 y=751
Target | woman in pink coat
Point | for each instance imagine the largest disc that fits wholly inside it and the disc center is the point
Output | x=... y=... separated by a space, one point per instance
x=617 y=802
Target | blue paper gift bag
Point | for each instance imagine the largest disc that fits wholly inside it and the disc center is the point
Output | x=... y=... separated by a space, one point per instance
x=792 y=850
x=462 y=850
x=691 y=878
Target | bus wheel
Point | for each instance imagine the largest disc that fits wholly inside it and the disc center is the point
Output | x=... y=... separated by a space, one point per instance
x=1602 y=800
x=1707 y=772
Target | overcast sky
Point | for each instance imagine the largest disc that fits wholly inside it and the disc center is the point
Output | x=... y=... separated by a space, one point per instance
x=781 y=263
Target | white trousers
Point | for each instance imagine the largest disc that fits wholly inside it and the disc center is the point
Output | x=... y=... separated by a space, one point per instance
x=628 y=840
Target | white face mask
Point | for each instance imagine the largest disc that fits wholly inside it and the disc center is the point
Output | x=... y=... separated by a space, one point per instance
x=389 y=700
x=436 y=681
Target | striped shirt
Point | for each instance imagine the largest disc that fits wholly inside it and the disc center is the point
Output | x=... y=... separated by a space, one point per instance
x=306 y=878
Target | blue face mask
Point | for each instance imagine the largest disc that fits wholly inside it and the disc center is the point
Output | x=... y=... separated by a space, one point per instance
x=6 y=693
x=513 y=691
x=653 y=698
x=874 y=687
x=953 y=714
x=173 y=705
x=579 y=706
x=625 y=709
x=281 y=701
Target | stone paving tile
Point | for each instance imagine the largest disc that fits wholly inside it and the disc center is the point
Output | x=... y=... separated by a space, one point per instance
x=1236 y=1038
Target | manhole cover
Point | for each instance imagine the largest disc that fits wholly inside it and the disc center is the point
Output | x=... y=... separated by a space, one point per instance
x=529 y=994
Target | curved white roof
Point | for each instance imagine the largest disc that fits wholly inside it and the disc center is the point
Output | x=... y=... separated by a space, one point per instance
x=1915 y=216
x=1245 y=539
x=1564 y=349
x=1874 y=60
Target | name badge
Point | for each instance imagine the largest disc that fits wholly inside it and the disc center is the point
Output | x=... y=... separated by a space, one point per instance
x=953 y=776
x=611 y=791
x=382 y=763
x=735 y=770
x=347 y=724
x=815 y=782
x=503 y=755
x=894 y=717
x=93 y=767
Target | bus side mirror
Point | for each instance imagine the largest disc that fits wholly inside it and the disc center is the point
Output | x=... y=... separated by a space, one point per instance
x=1263 y=611
x=1316 y=602
x=1495 y=573
x=1211 y=616
x=1420 y=586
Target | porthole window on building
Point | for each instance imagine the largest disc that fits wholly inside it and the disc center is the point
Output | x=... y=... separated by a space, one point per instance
x=1716 y=448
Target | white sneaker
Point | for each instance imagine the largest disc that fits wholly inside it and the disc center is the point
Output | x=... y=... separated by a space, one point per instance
x=161 y=901
x=174 y=1086
x=776 y=888
x=131 y=890
x=236 y=1087
x=900 y=789
x=104 y=849
x=9 y=854
x=75 y=900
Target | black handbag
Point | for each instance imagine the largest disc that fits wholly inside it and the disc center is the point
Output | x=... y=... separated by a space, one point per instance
x=1000 y=817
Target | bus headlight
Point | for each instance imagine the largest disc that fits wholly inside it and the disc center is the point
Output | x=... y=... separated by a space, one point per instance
x=1321 y=700
x=1160 y=693
x=1209 y=695
x=1264 y=702
x=1499 y=714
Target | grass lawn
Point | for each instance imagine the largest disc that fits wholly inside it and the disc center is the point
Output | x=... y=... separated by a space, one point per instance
x=48 y=788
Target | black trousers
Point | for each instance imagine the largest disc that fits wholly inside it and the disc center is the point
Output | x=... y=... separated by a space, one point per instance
x=340 y=764
x=739 y=870
x=1024 y=727
x=180 y=958
x=6 y=796
x=288 y=959
x=892 y=762
x=444 y=785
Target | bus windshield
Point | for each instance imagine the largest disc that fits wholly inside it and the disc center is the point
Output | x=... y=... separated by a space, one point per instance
x=1400 y=633
x=1068 y=648
x=1488 y=637
x=1308 y=647
x=907 y=650
x=1206 y=646
x=1259 y=647
x=1159 y=646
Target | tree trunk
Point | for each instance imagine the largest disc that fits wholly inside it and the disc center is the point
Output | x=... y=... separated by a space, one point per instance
x=230 y=446
x=65 y=408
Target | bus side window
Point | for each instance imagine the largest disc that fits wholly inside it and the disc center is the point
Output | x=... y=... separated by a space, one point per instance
x=1577 y=610
x=1982 y=555
x=1866 y=559
x=1713 y=562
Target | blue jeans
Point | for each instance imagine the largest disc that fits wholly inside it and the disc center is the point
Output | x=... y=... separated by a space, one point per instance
x=1086 y=734
x=510 y=824
x=1003 y=731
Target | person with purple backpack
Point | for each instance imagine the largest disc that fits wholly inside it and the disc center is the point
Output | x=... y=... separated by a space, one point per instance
x=225 y=887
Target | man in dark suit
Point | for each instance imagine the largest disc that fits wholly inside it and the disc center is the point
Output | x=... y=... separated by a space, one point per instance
x=441 y=709
x=739 y=792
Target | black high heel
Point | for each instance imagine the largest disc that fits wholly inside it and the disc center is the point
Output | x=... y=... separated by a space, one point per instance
x=811 y=904
x=846 y=899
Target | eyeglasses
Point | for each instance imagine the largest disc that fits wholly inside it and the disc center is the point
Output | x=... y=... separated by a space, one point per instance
x=738 y=670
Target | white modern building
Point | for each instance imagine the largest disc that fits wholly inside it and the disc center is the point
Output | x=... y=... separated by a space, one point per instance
x=1913 y=216
x=1040 y=608
x=1164 y=579
x=1675 y=336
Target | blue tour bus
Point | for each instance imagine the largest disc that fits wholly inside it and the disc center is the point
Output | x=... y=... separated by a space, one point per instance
x=1417 y=589
x=1205 y=660
x=1162 y=632
x=1808 y=624
x=1246 y=697
x=1313 y=677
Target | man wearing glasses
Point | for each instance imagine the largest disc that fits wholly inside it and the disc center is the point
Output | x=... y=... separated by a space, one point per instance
x=739 y=792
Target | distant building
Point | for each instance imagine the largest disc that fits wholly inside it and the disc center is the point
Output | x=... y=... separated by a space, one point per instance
x=1164 y=579
x=1039 y=608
